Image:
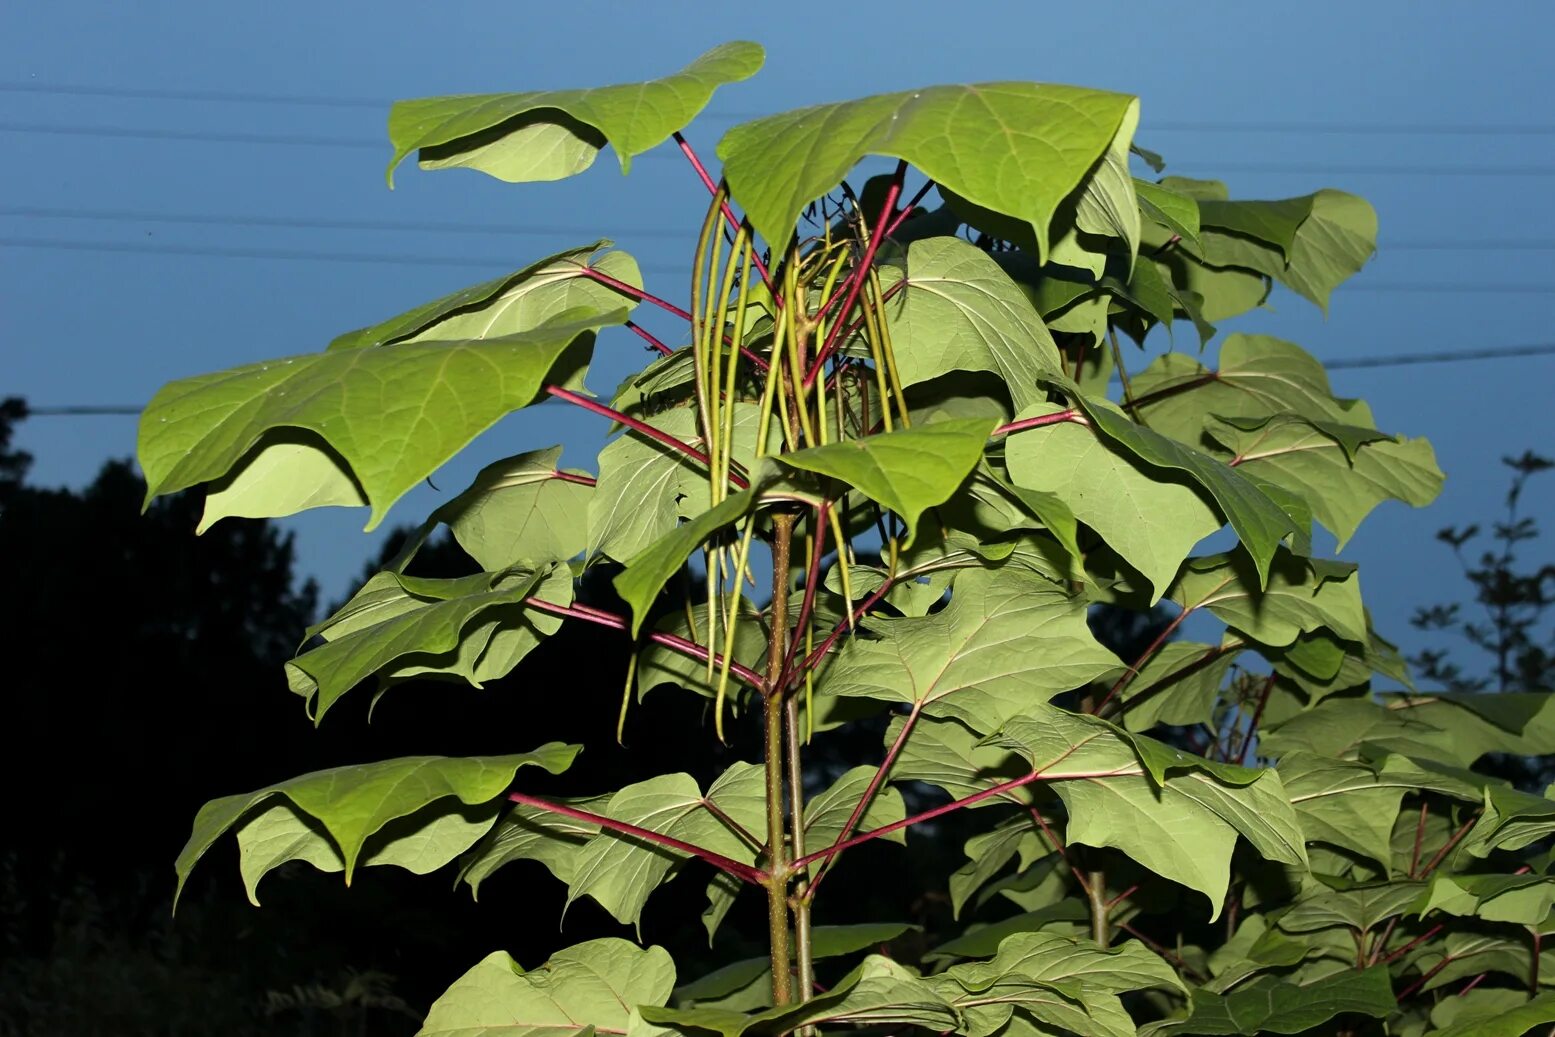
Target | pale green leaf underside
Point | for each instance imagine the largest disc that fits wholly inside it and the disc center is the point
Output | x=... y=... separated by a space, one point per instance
x=619 y=872
x=352 y=803
x=908 y=471
x=1016 y=148
x=519 y=508
x=1259 y=523
x=1007 y=640
x=1271 y=1005
x=960 y=311
x=588 y=988
x=1300 y=596
x=421 y=618
x=550 y=134
x=1152 y=519
x=520 y=301
x=394 y=414
x=1182 y=826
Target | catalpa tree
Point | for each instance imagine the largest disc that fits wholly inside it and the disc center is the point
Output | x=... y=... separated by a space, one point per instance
x=883 y=450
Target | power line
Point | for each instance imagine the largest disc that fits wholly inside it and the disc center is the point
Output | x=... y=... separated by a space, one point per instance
x=1168 y=126
x=671 y=233
x=1389 y=170
x=1399 y=360
x=301 y=255
x=306 y=255
x=1409 y=359
x=310 y=223
x=382 y=145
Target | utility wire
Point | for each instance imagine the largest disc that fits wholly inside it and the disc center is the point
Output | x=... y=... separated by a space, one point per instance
x=1177 y=126
x=500 y=229
x=1400 y=360
x=487 y=263
x=311 y=223
x=1451 y=357
x=382 y=145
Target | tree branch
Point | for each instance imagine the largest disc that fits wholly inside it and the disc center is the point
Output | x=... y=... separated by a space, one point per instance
x=743 y=872
x=875 y=782
x=946 y=808
x=641 y=427
x=685 y=647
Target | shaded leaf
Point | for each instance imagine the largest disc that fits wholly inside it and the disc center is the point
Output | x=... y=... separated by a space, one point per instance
x=393 y=415
x=1015 y=148
x=1270 y=1005
x=1152 y=519
x=1006 y=641
x=351 y=803
x=959 y=311
x=550 y=134
x=586 y=989
x=908 y=471
x=1182 y=825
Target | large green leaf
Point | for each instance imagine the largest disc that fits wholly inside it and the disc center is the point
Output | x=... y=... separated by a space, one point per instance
x=746 y=984
x=1346 y=804
x=591 y=988
x=648 y=571
x=641 y=482
x=394 y=617
x=878 y=992
x=1107 y=203
x=290 y=470
x=959 y=311
x=1271 y=1005
x=908 y=471
x=1182 y=825
x=352 y=803
x=1177 y=212
x=1427 y=727
x=551 y=134
x=1274 y=222
x=1006 y=641
x=420 y=842
x=519 y=508
x=1259 y=522
x=1179 y=685
x=530 y=833
x=620 y=871
x=1362 y=908
x=1523 y=899
x=1332 y=244
x=1502 y=1019
x=393 y=415
x=948 y=754
x=828 y=810
x=1301 y=595
x=1015 y=148
x=987 y=854
x=1340 y=482
x=1059 y=981
x=1511 y=821
x=521 y=301
x=644 y=486
x=1258 y=376
x=1151 y=518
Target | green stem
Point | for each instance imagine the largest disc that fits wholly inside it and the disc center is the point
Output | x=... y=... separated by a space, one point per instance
x=1096 y=893
x=777 y=876
x=805 y=966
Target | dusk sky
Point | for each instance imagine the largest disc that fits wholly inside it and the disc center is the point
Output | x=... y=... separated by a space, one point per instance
x=195 y=186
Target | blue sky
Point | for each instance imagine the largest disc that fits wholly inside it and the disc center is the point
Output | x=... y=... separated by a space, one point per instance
x=118 y=311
